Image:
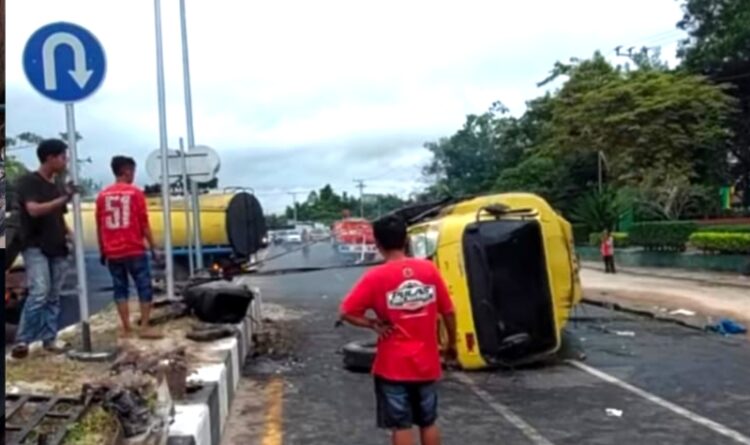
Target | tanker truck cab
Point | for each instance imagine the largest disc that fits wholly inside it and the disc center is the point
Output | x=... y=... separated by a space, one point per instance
x=510 y=267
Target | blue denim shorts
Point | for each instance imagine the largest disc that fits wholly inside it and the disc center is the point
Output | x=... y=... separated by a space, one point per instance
x=137 y=268
x=401 y=405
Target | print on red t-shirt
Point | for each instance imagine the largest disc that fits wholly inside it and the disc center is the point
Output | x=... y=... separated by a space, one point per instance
x=409 y=293
x=122 y=219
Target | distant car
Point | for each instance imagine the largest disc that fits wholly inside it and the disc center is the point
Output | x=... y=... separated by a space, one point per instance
x=319 y=234
x=293 y=237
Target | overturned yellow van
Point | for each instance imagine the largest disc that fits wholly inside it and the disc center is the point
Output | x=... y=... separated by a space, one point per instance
x=510 y=265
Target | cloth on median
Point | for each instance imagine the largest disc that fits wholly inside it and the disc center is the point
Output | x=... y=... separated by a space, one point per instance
x=725 y=326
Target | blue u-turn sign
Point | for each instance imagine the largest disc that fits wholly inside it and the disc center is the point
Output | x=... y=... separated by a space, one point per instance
x=64 y=62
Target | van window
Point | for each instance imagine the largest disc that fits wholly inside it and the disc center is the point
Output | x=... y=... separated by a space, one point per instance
x=423 y=245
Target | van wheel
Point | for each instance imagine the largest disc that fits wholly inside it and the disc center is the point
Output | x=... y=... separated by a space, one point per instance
x=359 y=356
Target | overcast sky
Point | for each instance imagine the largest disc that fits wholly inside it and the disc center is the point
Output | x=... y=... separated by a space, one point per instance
x=294 y=95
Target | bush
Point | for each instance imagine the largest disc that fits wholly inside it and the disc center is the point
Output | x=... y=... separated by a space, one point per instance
x=726 y=228
x=721 y=242
x=622 y=239
x=580 y=234
x=667 y=235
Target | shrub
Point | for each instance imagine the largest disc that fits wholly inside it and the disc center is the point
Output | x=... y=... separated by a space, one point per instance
x=666 y=235
x=581 y=234
x=600 y=211
x=726 y=228
x=622 y=239
x=721 y=242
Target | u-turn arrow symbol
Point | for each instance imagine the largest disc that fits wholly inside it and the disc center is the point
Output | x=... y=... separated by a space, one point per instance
x=80 y=73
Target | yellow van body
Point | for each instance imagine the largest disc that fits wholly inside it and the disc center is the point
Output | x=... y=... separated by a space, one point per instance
x=510 y=266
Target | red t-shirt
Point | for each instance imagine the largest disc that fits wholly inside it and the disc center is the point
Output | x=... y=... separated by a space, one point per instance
x=410 y=293
x=608 y=246
x=122 y=219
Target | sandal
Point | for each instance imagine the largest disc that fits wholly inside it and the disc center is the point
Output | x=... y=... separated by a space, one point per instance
x=20 y=351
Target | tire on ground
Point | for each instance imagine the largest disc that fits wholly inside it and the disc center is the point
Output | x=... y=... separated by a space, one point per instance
x=359 y=356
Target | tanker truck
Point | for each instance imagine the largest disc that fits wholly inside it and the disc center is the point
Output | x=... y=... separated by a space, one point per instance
x=232 y=225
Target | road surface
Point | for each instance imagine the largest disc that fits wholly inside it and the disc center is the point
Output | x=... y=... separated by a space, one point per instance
x=662 y=383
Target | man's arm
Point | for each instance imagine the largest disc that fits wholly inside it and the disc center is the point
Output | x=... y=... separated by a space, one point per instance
x=30 y=200
x=36 y=209
x=445 y=307
x=143 y=216
x=98 y=217
x=450 y=326
x=357 y=303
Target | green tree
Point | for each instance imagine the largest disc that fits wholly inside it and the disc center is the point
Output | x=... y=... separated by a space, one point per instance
x=719 y=47
x=646 y=122
x=467 y=162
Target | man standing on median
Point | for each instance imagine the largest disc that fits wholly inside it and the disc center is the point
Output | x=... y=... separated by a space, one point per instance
x=122 y=225
x=41 y=205
x=406 y=295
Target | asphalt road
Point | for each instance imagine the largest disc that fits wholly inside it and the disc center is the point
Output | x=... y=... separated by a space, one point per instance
x=672 y=385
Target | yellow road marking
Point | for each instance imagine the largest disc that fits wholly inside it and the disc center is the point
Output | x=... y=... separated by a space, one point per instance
x=273 y=432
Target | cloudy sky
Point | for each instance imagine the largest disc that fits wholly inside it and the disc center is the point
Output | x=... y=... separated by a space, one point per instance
x=294 y=95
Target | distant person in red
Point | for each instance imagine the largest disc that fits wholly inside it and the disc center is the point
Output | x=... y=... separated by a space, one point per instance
x=406 y=295
x=122 y=226
x=608 y=252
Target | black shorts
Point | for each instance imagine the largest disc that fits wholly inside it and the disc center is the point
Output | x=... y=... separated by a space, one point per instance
x=401 y=405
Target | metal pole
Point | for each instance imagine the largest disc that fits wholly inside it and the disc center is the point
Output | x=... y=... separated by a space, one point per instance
x=190 y=135
x=361 y=186
x=294 y=205
x=83 y=295
x=163 y=145
x=186 y=193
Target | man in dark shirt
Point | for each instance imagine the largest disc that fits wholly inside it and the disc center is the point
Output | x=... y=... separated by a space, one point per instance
x=41 y=204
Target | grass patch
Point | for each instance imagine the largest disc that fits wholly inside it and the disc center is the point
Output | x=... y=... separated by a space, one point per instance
x=55 y=374
x=97 y=427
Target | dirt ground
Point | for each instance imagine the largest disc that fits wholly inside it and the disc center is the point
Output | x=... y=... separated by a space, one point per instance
x=663 y=295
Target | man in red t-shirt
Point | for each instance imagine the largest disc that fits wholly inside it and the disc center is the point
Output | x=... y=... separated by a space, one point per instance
x=406 y=295
x=122 y=225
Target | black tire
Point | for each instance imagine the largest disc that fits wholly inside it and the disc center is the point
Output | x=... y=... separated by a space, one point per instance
x=359 y=356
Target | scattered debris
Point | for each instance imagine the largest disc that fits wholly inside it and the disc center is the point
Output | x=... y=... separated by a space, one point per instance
x=612 y=412
x=726 y=326
x=206 y=333
x=624 y=333
x=172 y=365
x=167 y=310
x=684 y=312
x=40 y=419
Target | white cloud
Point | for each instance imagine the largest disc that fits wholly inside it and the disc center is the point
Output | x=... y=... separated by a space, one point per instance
x=297 y=94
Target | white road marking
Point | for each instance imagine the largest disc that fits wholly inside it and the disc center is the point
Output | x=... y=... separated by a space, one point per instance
x=708 y=423
x=527 y=430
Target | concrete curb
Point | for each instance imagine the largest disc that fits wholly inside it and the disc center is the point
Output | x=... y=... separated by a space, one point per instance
x=201 y=418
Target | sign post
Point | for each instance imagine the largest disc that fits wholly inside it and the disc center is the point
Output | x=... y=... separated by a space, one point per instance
x=66 y=63
x=188 y=201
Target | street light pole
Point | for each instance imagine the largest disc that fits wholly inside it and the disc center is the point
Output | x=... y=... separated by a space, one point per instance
x=294 y=200
x=163 y=145
x=191 y=137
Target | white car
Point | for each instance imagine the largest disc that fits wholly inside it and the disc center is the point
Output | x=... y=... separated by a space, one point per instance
x=292 y=237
